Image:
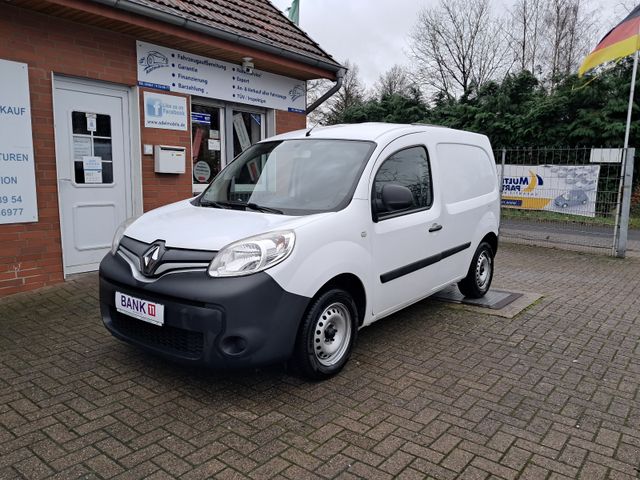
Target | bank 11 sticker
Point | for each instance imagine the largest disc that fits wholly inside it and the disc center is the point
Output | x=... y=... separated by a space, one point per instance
x=202 y=171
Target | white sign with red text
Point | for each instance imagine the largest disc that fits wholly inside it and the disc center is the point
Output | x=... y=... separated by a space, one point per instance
x=141 y=309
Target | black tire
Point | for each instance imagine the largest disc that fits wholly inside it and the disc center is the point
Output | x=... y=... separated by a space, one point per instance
x=478 y=280
x=331 y=314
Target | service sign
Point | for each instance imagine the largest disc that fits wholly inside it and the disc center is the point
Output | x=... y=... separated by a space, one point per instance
x=165 y=111
x=18 y=203
x=606 y=155
x=167 y=69
x=556 y=188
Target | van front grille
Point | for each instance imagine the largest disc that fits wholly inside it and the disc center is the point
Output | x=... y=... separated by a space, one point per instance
x=172 y=259
x=185 y=343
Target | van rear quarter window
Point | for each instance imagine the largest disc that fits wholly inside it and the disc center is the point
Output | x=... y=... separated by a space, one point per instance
x=466 y=170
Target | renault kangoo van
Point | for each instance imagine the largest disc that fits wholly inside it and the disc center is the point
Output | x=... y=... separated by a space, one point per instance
x=301 y=241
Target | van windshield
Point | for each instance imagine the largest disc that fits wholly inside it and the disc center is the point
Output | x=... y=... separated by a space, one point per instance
x=291 y=177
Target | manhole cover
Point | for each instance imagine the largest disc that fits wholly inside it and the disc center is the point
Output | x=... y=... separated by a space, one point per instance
x=494 y=299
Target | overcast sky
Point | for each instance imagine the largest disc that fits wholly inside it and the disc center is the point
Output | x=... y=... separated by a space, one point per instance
x=373 y=33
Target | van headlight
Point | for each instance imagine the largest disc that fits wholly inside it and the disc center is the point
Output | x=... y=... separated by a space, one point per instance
x=253 y=254
x=120 y=233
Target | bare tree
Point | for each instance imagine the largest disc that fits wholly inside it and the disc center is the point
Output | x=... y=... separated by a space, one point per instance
x=458 y=44
x=525 y=33
x=395 y=81
x=315 y=89
x=351 y=93
x=625 y=6
x=570 y=32
x=551 y=37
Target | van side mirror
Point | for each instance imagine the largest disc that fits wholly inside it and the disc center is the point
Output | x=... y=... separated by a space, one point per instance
x=396 y=197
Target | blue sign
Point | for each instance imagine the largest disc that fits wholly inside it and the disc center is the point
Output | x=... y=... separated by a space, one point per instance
x=511 y=202
x=203 y=118
x=165 y=111
x=256 y=118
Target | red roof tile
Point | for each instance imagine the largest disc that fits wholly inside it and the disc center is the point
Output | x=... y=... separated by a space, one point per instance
x=258 y=20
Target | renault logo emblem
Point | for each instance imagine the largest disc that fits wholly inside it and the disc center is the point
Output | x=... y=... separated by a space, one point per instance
x=152 y=257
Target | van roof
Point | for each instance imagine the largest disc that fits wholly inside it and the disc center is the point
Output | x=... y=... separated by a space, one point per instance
x=366 y=131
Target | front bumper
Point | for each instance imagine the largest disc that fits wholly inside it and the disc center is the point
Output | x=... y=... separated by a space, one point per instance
x=218 y=322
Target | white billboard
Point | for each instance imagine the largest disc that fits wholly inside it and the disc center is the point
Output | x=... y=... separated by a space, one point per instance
x=18 y=203
x=606 y=155
x=570 y=189
x=176 y=71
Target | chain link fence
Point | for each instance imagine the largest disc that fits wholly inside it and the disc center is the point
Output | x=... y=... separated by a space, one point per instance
x=565 y=198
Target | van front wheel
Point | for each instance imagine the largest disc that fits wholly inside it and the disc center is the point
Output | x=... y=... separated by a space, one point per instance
x=326 y=335
x=478 y=280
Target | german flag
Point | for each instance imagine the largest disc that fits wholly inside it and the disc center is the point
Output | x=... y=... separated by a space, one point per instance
x=620 y=42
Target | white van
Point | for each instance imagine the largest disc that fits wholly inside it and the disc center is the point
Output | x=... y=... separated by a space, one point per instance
x=303 y=239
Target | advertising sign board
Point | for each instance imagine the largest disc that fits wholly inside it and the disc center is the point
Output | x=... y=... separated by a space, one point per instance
x=18 y=203
x=176 y=71
x=165 y=111
x=556 y=188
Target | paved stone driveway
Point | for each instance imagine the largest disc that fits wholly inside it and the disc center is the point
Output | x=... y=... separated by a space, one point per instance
x=433 y=392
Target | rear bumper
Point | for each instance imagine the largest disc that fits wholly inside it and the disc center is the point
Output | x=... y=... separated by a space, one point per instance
x=218 y=322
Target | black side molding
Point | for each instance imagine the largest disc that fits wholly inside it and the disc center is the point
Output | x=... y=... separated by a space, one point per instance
x=454 y=250
x=425 y=262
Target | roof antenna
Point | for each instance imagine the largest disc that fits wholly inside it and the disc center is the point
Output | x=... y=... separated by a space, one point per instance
x=308 y=134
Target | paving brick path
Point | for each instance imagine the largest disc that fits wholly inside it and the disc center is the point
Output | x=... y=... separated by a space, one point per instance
x=432 y=392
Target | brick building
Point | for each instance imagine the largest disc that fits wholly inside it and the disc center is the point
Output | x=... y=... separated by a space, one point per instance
x=120 y=96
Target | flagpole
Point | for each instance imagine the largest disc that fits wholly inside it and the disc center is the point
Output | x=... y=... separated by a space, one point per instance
x=620 y=244
x=627 y=133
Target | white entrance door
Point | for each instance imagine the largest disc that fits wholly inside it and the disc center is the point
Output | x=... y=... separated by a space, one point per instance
x=94 y=169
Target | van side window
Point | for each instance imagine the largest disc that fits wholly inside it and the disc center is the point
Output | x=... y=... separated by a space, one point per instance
x=409 y=168
x=469 y=168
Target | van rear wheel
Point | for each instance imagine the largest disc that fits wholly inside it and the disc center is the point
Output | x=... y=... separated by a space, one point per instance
x=478 y=280
x=326 y=336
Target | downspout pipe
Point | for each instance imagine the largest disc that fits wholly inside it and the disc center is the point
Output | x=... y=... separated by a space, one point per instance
x=336 y=86
x=145 y=11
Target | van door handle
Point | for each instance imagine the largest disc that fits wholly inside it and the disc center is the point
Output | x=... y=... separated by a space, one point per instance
x=435 y=227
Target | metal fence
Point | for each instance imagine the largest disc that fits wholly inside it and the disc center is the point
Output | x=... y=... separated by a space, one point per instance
x=575 y=198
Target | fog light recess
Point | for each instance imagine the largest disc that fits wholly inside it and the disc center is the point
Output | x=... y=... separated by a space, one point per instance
x=233 y=345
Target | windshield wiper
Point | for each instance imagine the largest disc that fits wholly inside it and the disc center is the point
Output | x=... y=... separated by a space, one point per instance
x=211 y=203
x=262 y=208
x=236 y=205
x=223 y=204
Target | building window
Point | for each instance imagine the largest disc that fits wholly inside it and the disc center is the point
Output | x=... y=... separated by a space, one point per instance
x=92 y=148
x=219 y=133
x=248 y=128
x=207 y=135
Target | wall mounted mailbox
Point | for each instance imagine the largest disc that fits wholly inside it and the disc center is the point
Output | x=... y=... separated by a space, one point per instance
x=169 y=159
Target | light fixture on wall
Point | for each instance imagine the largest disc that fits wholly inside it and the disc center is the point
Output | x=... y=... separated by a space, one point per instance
x=247 y=64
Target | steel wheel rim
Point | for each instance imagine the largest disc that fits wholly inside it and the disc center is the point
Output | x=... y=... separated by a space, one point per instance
x=332 y=334
x=483 y=270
